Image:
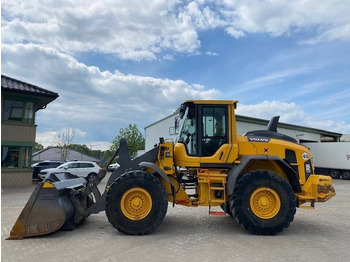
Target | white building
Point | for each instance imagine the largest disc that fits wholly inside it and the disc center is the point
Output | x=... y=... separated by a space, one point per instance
x=166 y=128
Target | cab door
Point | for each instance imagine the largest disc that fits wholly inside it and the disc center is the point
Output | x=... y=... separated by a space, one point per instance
x=207 y=137
x=214 y=132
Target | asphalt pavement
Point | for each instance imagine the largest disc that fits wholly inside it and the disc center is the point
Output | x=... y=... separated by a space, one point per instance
x=187 y=234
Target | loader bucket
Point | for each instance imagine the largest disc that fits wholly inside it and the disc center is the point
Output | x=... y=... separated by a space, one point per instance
x=49 y=208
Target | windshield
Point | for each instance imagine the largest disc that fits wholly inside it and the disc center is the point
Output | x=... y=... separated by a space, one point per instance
x=187 y=132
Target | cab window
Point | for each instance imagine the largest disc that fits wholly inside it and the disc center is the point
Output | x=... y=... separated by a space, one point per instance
x=214 y=129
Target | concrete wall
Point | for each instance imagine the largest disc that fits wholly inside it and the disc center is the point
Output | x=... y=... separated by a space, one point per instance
x=15 y=178
x=161 y=129
x=244 y=127
x=18 y=132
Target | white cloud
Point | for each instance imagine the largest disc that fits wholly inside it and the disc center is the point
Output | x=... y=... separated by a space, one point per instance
x=329 y=19
x=99 y=103
x=143 y=30
x=274 y=78
x=48 y=138
x=321 y=20
x=135 y=30
x=209 y=53
x=291 y=113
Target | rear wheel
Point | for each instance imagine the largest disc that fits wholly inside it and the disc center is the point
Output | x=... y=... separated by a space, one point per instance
x=263 y=203
x=334 y=174
x=136 y=203
x=346 y=175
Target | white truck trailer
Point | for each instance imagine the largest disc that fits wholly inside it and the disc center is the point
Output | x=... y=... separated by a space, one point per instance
x=331 y=158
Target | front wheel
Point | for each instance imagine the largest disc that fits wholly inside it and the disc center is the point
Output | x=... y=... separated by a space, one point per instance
x=263 y=203
x=136 y=203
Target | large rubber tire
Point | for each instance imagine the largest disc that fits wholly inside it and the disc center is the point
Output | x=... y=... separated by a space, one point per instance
x=241 y=207
x=122 y=185
x=226 y=208
x=346 y=174
x=335 y=174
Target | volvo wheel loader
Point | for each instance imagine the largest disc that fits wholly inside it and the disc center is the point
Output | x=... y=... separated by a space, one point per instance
x=259 y=179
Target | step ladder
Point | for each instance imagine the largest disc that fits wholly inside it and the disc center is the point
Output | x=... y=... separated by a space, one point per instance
x=216 y=183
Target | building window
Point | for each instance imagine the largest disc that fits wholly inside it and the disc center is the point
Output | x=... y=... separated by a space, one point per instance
x=18 y=111
x=15 y=156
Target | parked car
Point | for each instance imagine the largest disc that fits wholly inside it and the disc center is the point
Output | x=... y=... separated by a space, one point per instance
x=44 y=165
x=79 y=168
x=113 y=167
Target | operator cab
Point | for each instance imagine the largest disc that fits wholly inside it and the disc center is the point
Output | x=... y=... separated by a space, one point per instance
x=204 y=128
x=207 y=140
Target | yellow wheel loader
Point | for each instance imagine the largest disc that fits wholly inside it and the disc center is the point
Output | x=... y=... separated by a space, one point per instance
x=259 y=178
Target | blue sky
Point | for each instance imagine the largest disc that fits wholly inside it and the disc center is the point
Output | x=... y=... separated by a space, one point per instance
x=136 y=61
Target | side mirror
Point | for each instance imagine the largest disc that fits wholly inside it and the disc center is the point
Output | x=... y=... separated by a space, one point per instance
x=66 y=167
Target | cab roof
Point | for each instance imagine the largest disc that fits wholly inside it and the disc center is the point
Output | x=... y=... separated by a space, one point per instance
x=213 y=102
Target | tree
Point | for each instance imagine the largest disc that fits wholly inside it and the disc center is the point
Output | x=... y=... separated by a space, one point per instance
x=133 y=136
x=38 y=147
x=63 y=140
x=80 y=148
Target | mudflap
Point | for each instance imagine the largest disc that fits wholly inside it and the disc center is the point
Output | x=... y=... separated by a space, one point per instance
x=49 y=207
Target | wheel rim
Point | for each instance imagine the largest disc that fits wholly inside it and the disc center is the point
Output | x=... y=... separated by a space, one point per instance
x=136 y=203
x=265 y=203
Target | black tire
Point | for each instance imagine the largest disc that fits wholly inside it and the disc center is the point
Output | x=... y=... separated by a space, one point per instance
x=242 y=210
x=122 y=185
x=346 y=174
x=335 y=174
x=91 y=176
x=226 y=208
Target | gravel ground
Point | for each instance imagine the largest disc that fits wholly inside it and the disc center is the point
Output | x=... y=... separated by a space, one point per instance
x=187 y=234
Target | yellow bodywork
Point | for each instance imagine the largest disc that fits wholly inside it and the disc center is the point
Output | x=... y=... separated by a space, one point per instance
x=210 y=190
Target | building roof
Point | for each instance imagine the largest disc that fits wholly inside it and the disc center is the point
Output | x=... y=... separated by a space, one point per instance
x=212 y=102
x=53 y=154
x=14 y=86
x=254 y=120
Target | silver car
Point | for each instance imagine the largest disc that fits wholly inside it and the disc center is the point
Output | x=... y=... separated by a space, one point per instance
x=79 y=168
